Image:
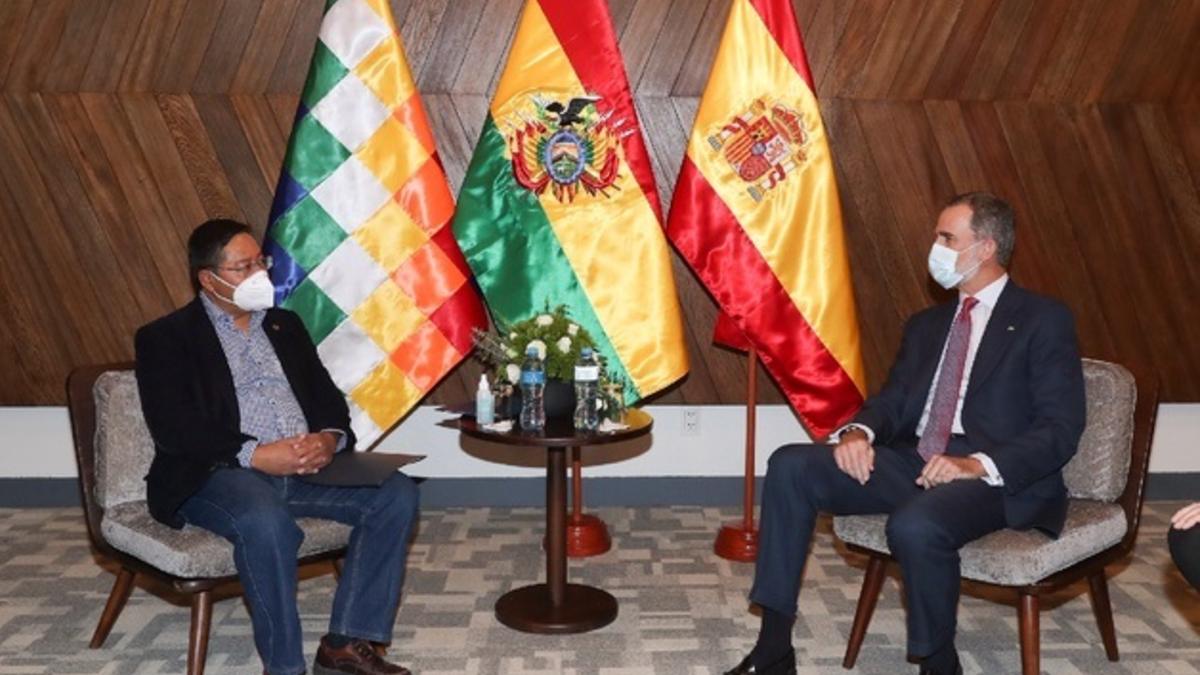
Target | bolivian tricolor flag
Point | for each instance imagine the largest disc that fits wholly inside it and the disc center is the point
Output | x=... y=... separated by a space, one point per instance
x=360 y=226
x=559 y=206
x=756 y=215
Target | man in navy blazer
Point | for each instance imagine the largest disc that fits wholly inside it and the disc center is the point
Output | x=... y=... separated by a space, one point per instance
x=982 y=408
x=240 y=407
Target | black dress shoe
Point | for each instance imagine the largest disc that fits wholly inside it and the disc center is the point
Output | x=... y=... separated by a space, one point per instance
x=949 y=669
x=784 y=665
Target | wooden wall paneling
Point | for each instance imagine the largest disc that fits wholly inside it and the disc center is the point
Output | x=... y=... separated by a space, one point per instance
x=696 y=62
x=101 y=267
x=65 y=295
x=956 y=146
x=199 y=157
x=853 y=51
x=985 y=79
x=1181 y=196
x=1059 y=132
x=284 y=108
x=291 y=68
x=1066 y=51
x=42 y=32
x=1131 y=258
x=32 y=343
x=1102 y=51
x=961 y=49
x=1047 y=234
x=150 y=45
x=926 y=42
x=1147 y=66
x=637 y=40
x=898 y=36
x=70 y=59
x=1043 y=28
x=664 y=62
x=113 y=45
x=166 y=164
x=236 y=158
x=145 y=234
x=456 y=123
x=621 y=11
x=180 y=63
x=419 y=29
x=1187 y=89
x=263 y=47
x=14 y=15
x=1187 y=132
x=444 y=58
x=225 y=52
x=258 y=123
x=488 y=50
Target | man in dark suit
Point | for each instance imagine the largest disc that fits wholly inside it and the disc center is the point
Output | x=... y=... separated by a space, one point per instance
x=981 y=410
x=240 y=407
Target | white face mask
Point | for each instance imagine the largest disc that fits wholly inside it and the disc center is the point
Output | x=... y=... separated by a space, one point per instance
x=943 y=265
x=254 y=293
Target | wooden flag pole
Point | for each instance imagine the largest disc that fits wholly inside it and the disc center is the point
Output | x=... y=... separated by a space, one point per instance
x=739 y=541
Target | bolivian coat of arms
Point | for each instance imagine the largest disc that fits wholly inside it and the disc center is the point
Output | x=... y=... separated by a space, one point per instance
x=565 y=147
x=763 y=145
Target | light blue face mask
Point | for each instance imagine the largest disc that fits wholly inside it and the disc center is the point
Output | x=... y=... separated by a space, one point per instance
x=943 y=265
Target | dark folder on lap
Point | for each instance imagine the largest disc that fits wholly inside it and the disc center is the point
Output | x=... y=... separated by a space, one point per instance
x=358 y=469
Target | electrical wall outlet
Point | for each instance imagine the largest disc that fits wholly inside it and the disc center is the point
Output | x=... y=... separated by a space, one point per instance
x=691 y=421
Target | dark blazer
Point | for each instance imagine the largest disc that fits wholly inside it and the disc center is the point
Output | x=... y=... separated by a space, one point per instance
x=191 y=407
x=1024 y=405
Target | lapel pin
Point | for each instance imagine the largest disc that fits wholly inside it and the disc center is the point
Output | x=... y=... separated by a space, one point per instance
x=1012 y=328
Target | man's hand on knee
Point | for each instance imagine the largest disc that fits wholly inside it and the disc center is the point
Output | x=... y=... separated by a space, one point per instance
x=943 y=469
x=280 y=458
x=855 y=456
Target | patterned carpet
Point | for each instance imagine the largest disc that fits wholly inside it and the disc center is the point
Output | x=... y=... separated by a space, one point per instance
x=682 y=609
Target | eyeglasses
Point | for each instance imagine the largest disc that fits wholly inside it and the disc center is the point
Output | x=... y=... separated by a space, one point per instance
x=264 y=263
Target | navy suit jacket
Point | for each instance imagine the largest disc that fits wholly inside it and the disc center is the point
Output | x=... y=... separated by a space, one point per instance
x=191 y=407
x=1024 y=405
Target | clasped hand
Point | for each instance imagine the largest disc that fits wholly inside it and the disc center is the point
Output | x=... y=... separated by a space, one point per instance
x=298 y=455
x=855 y=456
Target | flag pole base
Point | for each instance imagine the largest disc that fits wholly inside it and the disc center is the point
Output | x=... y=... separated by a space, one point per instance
x=587 y=536
x=736 y=543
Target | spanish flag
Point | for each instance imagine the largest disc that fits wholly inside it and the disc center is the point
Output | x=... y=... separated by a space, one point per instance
x=360 y=225
x=559 y=206
x=756 y=215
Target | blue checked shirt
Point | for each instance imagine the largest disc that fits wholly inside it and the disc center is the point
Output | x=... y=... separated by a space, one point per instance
x=268 y=408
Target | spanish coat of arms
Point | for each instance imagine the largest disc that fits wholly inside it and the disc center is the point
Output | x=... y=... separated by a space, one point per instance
x=763 y=145
x=566 y=147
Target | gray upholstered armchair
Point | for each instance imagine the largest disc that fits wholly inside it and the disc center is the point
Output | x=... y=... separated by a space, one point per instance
x=113 y=449
x=1105 y=481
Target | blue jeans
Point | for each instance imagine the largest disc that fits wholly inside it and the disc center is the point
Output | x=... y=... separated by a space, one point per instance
x=257 y=513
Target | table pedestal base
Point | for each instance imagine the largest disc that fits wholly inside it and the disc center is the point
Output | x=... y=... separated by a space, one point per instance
x=530 y=609
x=736 y=543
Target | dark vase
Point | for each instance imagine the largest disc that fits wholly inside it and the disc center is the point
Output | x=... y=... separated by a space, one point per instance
x=558 y=400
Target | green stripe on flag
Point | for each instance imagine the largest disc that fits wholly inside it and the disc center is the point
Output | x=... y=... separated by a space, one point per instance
x=319 y=313
x=313 y=153
x=307 y=233
x=323 y=75
x=495 y=215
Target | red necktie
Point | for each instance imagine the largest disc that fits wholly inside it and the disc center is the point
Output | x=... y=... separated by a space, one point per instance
x=945 y=394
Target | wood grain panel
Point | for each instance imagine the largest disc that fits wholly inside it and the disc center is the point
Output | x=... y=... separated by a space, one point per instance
x=123 y=123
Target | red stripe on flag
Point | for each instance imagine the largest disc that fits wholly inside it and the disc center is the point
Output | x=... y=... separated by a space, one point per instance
x=781 y=22
x=464 y=310
x=584 y=29
x=713 y=242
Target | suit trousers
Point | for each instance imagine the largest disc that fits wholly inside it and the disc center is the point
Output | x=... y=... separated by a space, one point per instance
x=1185 y=551
x=257 y=513
x=925 y=529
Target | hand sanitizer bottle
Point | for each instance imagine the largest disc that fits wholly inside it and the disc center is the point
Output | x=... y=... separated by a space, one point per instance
x=485 y=403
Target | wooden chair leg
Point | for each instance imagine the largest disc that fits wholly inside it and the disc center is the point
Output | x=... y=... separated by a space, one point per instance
x=867 y=597
x=121 y=589
x=1027 y=620
x=1102 y=608
x=202 y=603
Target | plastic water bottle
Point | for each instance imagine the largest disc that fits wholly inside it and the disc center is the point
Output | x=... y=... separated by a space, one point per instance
x=587 y=391
x=485 y=403
x=533 y=385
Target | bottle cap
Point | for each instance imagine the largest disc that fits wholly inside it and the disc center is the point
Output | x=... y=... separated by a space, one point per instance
x=586 y=352
x=483 y=383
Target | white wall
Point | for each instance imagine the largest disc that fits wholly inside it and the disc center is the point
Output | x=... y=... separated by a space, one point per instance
x=36 y=442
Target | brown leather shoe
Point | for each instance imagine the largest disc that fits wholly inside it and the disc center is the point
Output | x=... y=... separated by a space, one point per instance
x=358 y=658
